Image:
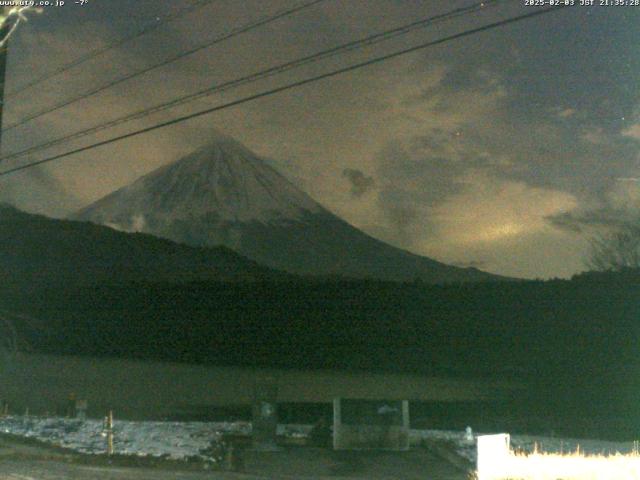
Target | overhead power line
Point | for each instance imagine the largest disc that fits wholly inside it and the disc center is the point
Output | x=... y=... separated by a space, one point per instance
x=161 y=21
x=263 y=74
x=289 y=86
x=221 y=38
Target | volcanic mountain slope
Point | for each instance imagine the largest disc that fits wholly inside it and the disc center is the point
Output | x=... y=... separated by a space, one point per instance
x=37 y=251
x=223 y=194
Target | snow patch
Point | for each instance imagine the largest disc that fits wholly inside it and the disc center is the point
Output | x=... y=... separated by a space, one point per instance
x=182 y=440
x=175 y=440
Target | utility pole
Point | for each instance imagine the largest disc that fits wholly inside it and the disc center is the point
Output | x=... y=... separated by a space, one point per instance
x=4 y=53
x=5 y=29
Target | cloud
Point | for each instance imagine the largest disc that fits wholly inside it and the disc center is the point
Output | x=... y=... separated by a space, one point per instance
x=567 y=113
x=35 y=191
x=502 y=224
x=584 y=222
x=618 y=208
x=594 y=135
x=434 y=146
x=360 y=183
x=633 y=131
x=455 y=180
x=501 y=210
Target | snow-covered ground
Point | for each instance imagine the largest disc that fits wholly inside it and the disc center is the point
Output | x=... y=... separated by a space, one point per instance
x=176 y=440
x=181 y=440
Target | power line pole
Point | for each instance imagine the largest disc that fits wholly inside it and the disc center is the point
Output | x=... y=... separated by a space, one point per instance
x=4 y=53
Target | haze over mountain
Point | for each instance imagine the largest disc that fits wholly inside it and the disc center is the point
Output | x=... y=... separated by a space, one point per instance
x=224 y=194
x=37 y=251
x=35 y=191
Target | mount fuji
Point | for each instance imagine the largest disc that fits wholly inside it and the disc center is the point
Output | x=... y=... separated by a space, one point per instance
x=224 y=194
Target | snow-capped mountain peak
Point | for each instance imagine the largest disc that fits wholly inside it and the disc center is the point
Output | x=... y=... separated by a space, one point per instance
x=223 y=194
x=223 y=179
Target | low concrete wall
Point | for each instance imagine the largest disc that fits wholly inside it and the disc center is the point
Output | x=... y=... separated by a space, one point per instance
x=152 y=390
x=392 y=435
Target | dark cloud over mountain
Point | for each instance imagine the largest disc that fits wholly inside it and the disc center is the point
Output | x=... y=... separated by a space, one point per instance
x=360 y=183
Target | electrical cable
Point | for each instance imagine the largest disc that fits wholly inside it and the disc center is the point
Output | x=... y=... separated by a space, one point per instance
x=233 y=33
x=276 y=70
x=289 y=86
x=118 y=43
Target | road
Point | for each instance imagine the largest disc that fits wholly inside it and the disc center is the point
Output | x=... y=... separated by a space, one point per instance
x=34 y=461
x=21 y=469
x=270 y=469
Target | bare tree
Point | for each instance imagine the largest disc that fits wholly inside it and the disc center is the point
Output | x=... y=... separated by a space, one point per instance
x=615 y=251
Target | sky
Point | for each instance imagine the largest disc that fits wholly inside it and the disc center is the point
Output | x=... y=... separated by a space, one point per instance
x=506 y=150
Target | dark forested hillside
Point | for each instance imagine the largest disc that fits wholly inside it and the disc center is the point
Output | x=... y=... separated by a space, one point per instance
x=588 y=322
x=36 y=251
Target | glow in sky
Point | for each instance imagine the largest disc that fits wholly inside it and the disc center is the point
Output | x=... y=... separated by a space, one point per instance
x=503 y=150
